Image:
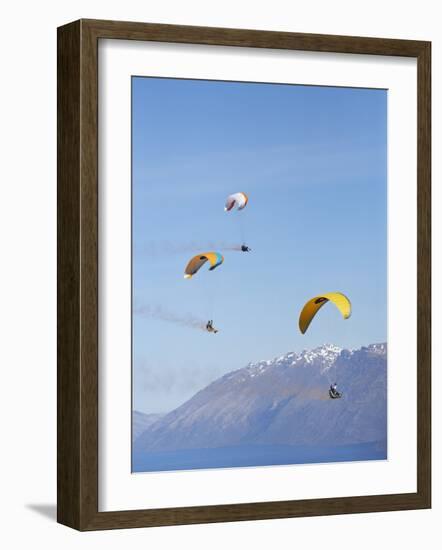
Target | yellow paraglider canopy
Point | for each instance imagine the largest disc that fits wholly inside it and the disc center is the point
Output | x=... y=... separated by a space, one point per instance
x=214 y=258
x=312 y=307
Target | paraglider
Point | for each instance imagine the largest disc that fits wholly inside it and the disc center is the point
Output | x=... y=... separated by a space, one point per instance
x=309 y=311
x=312 y=307
x=214 y=258
x=237 y=201
x=210 y=327
x=333 y=392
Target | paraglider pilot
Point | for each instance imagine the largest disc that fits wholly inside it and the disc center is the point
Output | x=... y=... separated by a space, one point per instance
x=210 y=327
x=334 y=394
x=245 y=248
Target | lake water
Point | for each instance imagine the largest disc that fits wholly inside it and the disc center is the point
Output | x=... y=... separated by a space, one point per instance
x=255 y=455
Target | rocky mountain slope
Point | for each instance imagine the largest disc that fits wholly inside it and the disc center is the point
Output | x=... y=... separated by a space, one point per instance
x=141 y=421
x=283 y=401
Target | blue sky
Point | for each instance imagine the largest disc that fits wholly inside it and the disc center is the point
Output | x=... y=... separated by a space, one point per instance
x=313 y=161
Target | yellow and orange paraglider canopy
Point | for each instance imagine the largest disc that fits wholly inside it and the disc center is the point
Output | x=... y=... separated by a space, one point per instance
x=214 y=258
x=312 y=307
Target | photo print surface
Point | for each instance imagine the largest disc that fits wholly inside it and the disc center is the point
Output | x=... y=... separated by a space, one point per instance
x=259 y=274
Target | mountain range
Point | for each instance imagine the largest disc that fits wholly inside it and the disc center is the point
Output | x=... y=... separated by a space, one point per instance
x=282 y=401
x=141 y=421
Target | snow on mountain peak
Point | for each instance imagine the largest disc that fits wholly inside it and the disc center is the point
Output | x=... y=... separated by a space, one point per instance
x=323 y=356
x=379 y=349
x=326 y=353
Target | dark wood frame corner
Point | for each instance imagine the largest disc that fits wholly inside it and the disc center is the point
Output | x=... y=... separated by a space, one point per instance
x=77 y=224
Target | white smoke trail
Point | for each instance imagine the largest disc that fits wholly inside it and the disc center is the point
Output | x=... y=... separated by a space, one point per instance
x=162 y=249
x=162 y=314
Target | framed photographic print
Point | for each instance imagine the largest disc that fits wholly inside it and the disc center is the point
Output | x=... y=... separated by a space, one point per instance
x=243 y=275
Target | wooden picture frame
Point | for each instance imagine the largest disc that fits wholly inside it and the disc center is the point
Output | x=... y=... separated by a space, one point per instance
x=78 y=274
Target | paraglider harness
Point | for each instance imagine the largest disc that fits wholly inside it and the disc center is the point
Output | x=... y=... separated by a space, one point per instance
x=210 y=327
x=245 y=248
x=333 y=392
